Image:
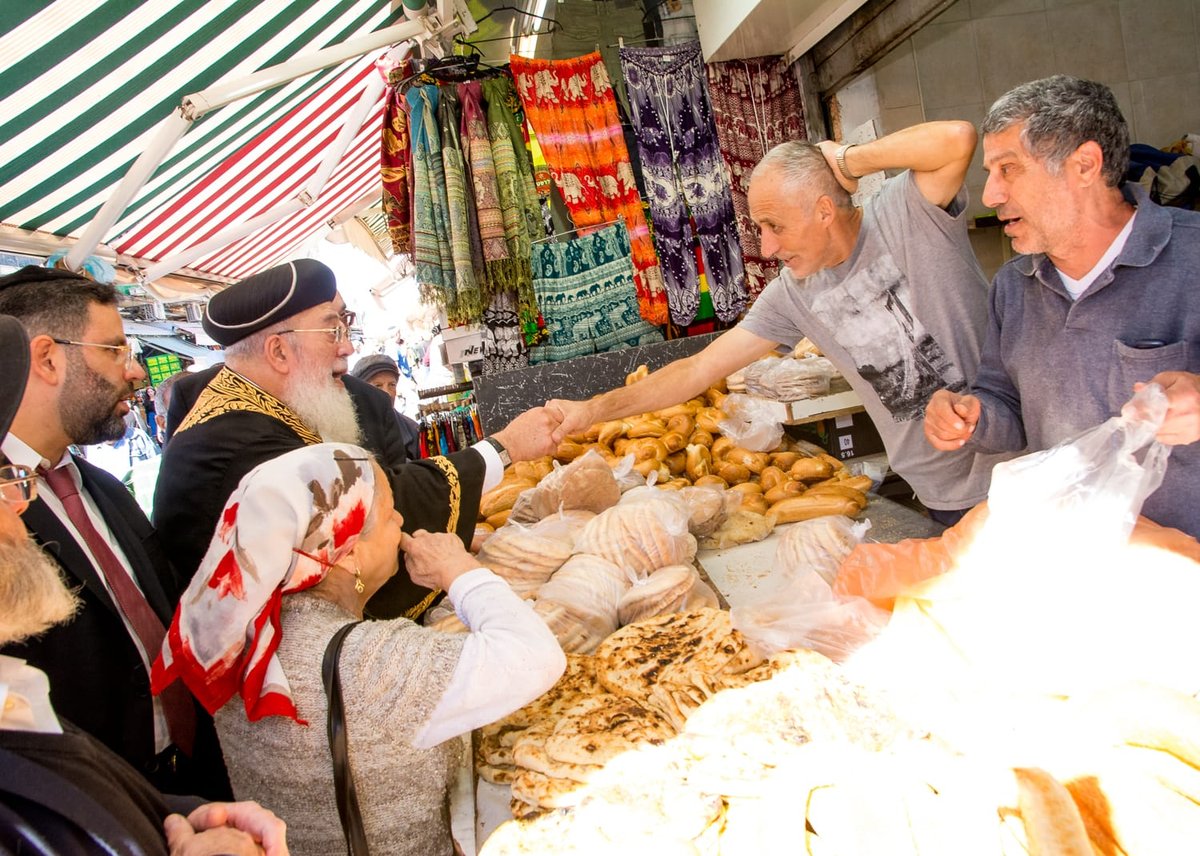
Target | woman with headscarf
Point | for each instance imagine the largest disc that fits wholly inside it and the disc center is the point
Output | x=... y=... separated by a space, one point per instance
x=302 y=544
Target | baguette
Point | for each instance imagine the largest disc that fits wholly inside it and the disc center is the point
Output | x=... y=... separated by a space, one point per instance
x=838 y=489
x=772 y=477
x=503 y=497
x=755 y=462
x=783 y=490
x=783 y=460
x=796 y=508
x=498 y=519
x=810 y=469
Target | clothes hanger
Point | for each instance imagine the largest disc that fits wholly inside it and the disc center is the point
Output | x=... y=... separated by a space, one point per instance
x=521 y=11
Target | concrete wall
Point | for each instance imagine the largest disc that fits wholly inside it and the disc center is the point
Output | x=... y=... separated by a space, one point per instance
x=1148 y=51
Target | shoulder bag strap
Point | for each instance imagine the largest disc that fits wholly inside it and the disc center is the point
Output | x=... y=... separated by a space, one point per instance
x=343 y=778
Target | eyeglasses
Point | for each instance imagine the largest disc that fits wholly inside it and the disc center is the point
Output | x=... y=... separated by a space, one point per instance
x=124 y=352
x=18 y=485
x=339 y=333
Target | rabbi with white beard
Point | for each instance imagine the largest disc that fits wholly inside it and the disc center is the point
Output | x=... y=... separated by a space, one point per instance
x=284 y=385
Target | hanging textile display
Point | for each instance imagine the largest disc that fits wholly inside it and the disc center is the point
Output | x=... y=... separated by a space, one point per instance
x=431 y=228
x=571 y=107
x=518 y=196
x=395 y=158
x=504 y=347
x=586 y=290
x=756 y=104
x=468 y=303
x=684 y=174
x=477 y=146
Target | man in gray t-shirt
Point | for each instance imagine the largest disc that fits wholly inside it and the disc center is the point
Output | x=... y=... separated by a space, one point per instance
x=891 y=293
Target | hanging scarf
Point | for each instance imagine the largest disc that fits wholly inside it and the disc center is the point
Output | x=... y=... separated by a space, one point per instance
x=467 y=305
x=500 y=267
x=394 y=171
x=517 y=194
x=756 y=106
x=290 y=521
x=431 y=228
x=571 y=106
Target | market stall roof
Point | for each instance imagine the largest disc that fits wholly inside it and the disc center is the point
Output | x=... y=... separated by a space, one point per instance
x=85 y=83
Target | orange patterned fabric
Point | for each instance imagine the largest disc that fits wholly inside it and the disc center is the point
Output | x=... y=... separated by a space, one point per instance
x=571 y=106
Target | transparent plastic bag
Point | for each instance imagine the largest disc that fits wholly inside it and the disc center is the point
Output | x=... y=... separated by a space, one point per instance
x=751 y=422
x=647 y=529
x=797 y=608
x=627 y=477
x=587 y=483
x=790 y=379
x=821 y=544
x=1090 y=488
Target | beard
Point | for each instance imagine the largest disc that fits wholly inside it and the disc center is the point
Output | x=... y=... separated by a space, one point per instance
x=87 y=405
x=33 y=596
x=324 y=404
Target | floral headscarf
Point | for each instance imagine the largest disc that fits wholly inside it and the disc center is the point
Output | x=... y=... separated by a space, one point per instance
x=290 y=520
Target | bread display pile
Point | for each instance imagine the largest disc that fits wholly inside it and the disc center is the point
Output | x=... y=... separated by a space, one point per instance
x=637 y=690
x=678 y=448
x=805 y=761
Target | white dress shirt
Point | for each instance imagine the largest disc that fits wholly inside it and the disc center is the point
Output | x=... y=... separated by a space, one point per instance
x=25 y=698
x=19 y=452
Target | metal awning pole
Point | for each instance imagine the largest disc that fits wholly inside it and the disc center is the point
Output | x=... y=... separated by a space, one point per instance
x=196 y=105
x=164 y=139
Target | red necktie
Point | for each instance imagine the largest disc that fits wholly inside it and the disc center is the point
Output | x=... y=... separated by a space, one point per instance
x=176 y=701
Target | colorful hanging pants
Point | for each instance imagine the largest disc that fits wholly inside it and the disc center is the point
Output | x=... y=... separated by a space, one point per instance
x=571 y=107
x=684 y=174
x=586 y=292
x=756 y=103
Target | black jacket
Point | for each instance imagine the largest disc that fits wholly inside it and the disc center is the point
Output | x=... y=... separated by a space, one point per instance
x=96 y=673
x=202 y=467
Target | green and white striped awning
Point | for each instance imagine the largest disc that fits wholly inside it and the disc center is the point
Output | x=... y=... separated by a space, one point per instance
x=85 y=83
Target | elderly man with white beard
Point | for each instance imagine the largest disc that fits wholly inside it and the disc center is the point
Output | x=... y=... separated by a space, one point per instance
x=61 y=790
x=285 y=385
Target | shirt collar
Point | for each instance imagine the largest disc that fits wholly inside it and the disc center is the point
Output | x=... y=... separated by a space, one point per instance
x=25 y=698
x=21 y=453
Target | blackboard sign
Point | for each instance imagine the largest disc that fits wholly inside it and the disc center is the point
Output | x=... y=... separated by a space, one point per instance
x=500 y=397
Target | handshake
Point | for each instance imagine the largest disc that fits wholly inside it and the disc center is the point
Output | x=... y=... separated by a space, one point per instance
x=538 y=431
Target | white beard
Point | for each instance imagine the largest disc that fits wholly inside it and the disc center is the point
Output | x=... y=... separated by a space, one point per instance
x=324 y=404
x=33 y=596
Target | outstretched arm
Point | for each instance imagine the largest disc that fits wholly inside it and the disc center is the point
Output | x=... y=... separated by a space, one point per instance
x=938 y=153
x=673 y=383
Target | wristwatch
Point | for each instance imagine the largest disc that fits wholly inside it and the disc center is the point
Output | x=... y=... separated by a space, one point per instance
x=505 y=457
x=840 y=158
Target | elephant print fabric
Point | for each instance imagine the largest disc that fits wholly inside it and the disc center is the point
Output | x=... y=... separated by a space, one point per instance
x=586 y=293
x=571 y=106
x=685 y=178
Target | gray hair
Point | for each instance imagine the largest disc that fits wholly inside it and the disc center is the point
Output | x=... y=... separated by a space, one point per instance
x=1062 y=113
x=802 y=167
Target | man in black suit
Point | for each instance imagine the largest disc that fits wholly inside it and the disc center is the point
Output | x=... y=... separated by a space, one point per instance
x=81 y=376
x=284 y=385
x=61 y=791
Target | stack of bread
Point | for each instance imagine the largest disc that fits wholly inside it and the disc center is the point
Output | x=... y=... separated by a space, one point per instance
x=637 y=690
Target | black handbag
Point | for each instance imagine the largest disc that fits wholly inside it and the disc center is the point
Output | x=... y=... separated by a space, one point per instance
x=343 y=778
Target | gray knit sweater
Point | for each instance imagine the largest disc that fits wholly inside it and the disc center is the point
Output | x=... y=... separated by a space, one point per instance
x=393 y=674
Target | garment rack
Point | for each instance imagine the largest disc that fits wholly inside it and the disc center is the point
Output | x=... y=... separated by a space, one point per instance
x=593 y=226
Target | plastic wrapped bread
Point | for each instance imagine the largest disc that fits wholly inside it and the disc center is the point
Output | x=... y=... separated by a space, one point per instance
x=647 y=530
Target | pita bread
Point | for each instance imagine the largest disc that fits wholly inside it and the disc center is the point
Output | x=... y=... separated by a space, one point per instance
x=669 y=649
x=595 y=737
x=541 y=790
x=532 y=755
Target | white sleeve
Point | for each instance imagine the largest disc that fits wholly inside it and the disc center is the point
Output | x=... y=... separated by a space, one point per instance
x=493 y=467
x=509 y=659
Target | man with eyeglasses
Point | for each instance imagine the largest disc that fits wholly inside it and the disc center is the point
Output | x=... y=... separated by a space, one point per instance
x=61 y=791
x=285 y=385
x=80 y=379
